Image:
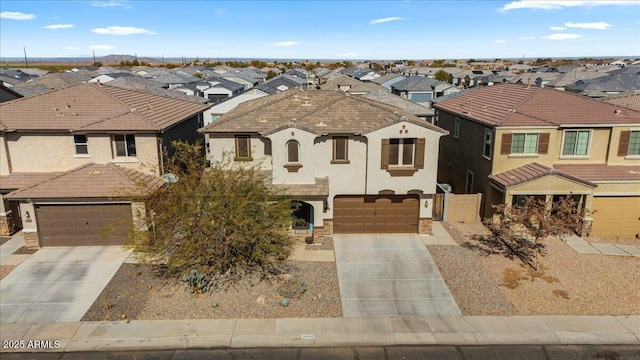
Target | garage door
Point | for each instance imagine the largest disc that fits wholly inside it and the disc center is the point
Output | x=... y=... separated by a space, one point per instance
x=616 y=216
x=375 y=214
x=70 y=225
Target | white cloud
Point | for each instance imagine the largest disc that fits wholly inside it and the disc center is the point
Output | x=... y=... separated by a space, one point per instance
x=71 y=48
x=557 y=28
x=284 y=43
x=58 y=26
x=101 y=47
x=122 y=30
x=111 y=3
x=384 y=20
x=594 y=25
x=16 y=15
x=526 y=37
x=561 y=4
x=499 y=41
x=350 y=54
x=561 y=36
x=219 y=12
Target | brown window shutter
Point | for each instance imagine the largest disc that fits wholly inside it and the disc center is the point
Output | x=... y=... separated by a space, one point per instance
x=623 y=145
x=505 y=147
x=384 y=157
x=419 y=164
x=543 y=143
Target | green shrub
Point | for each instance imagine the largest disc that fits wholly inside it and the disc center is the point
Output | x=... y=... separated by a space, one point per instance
x=292 y=288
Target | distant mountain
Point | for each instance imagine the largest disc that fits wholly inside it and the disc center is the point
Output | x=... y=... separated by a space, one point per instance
x=116 y=59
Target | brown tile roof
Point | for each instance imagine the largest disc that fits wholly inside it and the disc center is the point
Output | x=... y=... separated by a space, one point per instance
x=320 y=188
x=94 y=107
x=19 y=180
x=630 y=101
x=521 y=105
x=91 y=181
x=529 y=172
x=601 y=172
x=320 y=112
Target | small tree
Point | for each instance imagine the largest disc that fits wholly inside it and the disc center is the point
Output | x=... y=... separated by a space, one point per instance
x=523 y=227
x=224 y=221
x=442 y=75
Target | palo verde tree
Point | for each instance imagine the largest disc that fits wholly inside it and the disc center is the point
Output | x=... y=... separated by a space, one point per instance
x=224 y=221
x=523 y=227
x=442 y=75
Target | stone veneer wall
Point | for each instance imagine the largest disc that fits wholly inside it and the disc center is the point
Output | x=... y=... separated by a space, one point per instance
x=31 y=239
x=425 y=227
x=328 y=226
x=6 y=225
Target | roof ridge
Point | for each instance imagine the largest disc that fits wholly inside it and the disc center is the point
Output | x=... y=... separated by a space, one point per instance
x=514 y=107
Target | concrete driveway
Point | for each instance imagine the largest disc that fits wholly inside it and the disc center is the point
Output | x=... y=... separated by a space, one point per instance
x=58 y=284
x=390 y=275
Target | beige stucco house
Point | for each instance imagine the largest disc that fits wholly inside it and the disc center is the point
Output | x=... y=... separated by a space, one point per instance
x=355 y=165
x=100 y=134
x=511 y=141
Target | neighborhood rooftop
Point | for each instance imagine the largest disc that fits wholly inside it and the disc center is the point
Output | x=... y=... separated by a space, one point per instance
x=94 y=107
x=315 y=111
x=521 y=105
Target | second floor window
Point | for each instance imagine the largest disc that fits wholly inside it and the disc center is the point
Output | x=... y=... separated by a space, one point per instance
x=125 y=145
x=629 y=144
x=401 y=151
x=292 y=152
x=576 y=142
x=340 y=150
x=524 y=144
x=456 y=127
x=80 y=142
x=488 y=143
x=243 y=147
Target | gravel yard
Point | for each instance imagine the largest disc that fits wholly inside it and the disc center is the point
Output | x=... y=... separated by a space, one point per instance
x=570 y=284
x=136 y=292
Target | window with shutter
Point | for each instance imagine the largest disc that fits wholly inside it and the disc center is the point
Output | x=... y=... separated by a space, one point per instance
x=402 y=157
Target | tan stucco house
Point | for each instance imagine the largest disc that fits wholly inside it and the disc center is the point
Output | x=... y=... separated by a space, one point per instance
x=355 y=165
x=511 y=141
x=69 y=159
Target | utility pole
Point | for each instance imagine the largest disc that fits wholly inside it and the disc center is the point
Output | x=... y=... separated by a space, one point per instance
x=94 y=57
x=26 y=63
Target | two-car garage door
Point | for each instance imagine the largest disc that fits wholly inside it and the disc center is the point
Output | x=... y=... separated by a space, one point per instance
x=375 y=214
x=86 y=224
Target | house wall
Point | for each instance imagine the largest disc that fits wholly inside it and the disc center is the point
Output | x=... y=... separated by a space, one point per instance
x=613 y=158
x=34 y=152
x=228 y=105
x=186 y=131
x=423 y=180
x=221 y=144
x=456 y=156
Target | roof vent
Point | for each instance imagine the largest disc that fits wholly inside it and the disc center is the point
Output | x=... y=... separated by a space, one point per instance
x=306 y=103
x=321 y=123
x=133 y=109
x=617 y=112
x=96 y=172
x=292 y=122
x=263 y=120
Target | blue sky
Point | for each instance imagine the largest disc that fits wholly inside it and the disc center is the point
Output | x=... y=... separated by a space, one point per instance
x=321 y=29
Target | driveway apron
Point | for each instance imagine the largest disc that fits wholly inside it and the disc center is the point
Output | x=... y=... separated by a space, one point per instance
x=390 y=275
x=58 y=284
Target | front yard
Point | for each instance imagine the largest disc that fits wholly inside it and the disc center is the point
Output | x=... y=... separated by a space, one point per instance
x=570 y=283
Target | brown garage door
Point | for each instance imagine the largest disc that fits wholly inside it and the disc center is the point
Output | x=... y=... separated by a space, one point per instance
x=70 y=225
x=616 y=216
x=375 y=214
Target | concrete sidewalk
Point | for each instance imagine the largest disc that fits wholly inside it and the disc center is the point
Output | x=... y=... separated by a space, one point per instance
x=322 y=332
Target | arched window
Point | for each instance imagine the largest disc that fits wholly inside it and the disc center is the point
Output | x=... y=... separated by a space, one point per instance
x=292 y=152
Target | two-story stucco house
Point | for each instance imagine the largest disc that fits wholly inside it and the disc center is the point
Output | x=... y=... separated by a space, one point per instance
x=511 y=141
x=355 y=165
x=70 y=159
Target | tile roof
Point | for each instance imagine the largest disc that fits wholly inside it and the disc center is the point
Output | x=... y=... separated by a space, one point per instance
x=19 y=180
x=601 y=172
x=153 y=87
x=628 y=100
x=529 y=172
x=521 y=105
x=94 y=107
x=416 y=83
x=92 y=181
x=319 y=112
x=320 y=188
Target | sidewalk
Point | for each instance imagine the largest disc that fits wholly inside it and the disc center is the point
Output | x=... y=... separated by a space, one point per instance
x=583 y=247
x=384 y=331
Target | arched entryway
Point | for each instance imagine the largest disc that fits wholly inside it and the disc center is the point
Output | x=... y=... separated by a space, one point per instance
x=303 y=214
